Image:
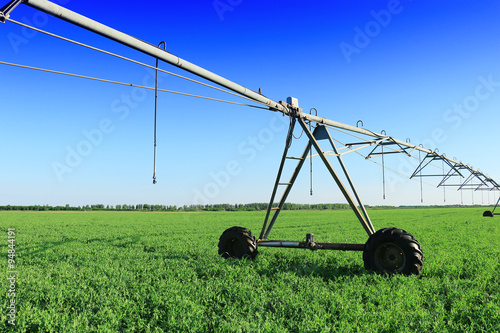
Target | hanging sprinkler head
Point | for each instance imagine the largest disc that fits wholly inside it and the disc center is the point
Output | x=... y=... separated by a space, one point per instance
x=156 y=109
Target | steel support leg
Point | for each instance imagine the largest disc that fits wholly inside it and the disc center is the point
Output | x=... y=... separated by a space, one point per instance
x=493 y=211
x=278 y=208
x=351 y=184
x=366 y=223
x=267 y=228
x=317 y=134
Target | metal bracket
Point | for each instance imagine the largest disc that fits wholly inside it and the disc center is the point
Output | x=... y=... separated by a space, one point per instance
x=5 y=11
x=294 y=110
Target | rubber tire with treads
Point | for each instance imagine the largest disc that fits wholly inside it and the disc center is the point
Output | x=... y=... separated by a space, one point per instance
x=237 y=242
x=393 y=251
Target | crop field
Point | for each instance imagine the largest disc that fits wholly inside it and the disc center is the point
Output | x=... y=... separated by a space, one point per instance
x=160 y=272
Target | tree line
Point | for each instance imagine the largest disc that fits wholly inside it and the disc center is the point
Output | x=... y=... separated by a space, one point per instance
x=174 y=208
x=212 y=207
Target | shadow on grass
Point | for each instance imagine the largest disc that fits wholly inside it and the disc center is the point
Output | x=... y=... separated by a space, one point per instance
x=277 y=265
x=330 y=271
x=269 y=266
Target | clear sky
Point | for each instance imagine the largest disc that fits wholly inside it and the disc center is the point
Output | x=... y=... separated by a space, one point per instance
x=424 y=70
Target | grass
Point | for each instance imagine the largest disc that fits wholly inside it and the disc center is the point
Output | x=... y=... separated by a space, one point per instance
x=160 y=272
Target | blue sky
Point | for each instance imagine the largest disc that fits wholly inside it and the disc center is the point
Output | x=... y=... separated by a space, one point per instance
x=424 y=70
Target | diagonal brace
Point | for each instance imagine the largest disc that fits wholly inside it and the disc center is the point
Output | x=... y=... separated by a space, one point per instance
x=365 y=222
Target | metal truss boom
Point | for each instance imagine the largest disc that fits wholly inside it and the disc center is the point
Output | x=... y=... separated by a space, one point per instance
x=159 y=53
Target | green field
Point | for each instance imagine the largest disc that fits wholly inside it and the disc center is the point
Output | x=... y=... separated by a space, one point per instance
x=160 y=272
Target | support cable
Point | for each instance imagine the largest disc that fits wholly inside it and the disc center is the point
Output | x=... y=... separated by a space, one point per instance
x=133 y=61
x=129 y=84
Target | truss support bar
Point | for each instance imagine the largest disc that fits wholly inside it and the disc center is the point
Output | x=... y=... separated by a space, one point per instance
x=418 y=176
x=454 y=171
x=453 y=185
x=387 y=153
x=466 y=184
x=366 y=223
x=421 y=165
x=368 y=143
x=311 y=246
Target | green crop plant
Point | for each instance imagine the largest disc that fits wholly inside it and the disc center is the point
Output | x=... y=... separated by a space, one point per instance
x=160 y=272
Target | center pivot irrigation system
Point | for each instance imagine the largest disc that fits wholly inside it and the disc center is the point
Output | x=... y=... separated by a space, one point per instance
x=389 y=250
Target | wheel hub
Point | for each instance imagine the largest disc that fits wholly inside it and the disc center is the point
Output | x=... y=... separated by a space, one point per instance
x=390 y=257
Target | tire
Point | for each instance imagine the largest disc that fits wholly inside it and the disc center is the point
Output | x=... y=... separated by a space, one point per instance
x=393 y=251
x=488 y=213
x=237 y=242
